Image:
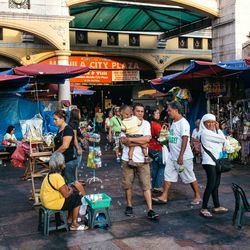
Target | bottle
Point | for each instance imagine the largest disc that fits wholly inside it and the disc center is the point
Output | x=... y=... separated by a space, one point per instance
x=181 y=169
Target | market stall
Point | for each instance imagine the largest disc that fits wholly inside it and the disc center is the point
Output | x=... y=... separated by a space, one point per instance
x=226 y=89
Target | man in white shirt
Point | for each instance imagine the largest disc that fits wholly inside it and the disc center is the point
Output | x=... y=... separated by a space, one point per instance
x=180 y=161
x=141 y=169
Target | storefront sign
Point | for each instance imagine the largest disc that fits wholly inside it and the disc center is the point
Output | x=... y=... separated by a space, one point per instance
x=125 y=76
x=94 y=76
x=105 y=70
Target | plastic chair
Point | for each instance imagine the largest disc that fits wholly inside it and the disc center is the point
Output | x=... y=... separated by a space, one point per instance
x=44 y=223
x=93 y=217
x=242 y=205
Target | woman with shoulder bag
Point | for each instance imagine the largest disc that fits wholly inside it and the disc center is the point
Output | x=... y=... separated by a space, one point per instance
x=212 y=140
x=64 y=143
x=155 y=152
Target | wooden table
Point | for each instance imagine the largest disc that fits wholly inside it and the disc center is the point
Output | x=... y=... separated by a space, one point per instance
x=37 y=167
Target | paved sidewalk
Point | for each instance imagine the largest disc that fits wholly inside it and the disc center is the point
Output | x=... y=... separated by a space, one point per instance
x=179 y=227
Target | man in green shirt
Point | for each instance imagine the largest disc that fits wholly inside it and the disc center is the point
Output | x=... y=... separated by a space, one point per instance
x=115 y=132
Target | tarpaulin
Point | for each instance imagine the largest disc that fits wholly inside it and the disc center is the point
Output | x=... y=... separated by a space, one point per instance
x=13 y=109
x=50 y=70
x=201 y=69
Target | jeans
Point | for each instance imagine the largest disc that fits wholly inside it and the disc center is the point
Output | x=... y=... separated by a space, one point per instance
x=157 y=168
x=70 y=171
x=213 y=182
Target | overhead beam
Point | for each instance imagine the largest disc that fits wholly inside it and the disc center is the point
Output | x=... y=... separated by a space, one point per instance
x=188 y=28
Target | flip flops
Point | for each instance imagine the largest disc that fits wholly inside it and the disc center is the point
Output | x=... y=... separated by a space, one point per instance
x=221 y=210
x=159 y=201
x=195 y=202
x=205 y=214
x=79 y=228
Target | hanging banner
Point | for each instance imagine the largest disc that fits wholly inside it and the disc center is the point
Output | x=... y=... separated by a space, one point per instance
x=104 y=70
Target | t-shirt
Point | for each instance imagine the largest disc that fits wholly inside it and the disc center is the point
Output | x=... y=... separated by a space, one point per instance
x=58 y=140
x=195 y=134
x=8 y=136
x=51 y=198
x=213 y=142
x=155 y=131
x=138 y=155
x=131 y=125
x=115 y=123
x=75 y=126
x=177 y=130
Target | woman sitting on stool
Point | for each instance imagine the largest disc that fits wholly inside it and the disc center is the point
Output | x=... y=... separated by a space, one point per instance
x=55 y=194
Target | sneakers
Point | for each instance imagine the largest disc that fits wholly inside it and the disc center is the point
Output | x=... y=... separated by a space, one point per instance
x=129 y=211
x=152 y=215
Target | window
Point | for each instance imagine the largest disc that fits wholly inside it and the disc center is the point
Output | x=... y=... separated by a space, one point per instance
x=197 y=43
x=81 y=37
x=113 y=39
x=19 y=4
x=1 y=34
x=209 y=43
x=183 y=42
x=134 y=40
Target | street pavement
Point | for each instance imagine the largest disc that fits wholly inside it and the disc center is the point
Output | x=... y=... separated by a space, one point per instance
x=179 y=225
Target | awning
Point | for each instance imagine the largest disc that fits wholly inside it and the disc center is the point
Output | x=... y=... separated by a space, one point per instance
x=201 y=69
x=49 y=72
x=80 y=90
x=128 y=16
x=12 y=81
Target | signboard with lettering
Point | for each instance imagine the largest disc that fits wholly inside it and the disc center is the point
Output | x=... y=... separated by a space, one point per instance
x=125 y=76
x=105 y=70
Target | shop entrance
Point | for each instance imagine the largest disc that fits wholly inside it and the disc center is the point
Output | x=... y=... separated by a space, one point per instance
x=104 y=97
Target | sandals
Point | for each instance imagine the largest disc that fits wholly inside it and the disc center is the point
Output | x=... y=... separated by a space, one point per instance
x=79 y=228
x=205 y=214
x=195 y=202
x=220 y=210
x=158 y=201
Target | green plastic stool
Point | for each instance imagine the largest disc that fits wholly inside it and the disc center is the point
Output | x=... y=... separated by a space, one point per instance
x=92 y=214
x=45 y=220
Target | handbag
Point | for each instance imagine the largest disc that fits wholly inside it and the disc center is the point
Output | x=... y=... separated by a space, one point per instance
x=5 y=142
x=222 y=165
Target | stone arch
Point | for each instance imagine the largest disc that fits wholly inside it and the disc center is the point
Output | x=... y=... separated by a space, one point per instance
x=43 y=56
x=55 y=34
x=207 y=8
x=11 y=56
x=186 y=57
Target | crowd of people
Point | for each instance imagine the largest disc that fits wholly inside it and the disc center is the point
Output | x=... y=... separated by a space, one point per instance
x=140 y=152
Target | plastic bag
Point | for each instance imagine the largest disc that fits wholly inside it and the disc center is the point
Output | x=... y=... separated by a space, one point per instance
x=32 y=129
x=91 y=160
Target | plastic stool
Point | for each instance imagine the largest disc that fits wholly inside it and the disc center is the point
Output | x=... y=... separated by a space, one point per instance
x=92 y=214
x=45 y=219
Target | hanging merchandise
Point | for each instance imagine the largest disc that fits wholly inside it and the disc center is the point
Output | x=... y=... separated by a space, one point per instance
x=184 y=94
x=94 y=157
x=214 y=88
x=32 y=129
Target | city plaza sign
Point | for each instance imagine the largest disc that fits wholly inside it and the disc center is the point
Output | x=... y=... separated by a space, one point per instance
x=104 y=70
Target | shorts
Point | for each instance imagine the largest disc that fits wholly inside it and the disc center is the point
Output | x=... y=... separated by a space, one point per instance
x=129 y=173
x=70 y=171
x=171 y=171
x=116 y=140
x=74 y=200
